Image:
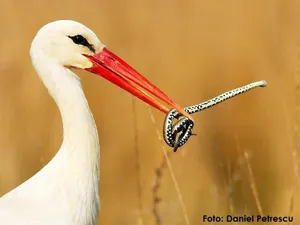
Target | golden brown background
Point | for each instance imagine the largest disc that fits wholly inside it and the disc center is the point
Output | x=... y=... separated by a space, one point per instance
x=245 y=157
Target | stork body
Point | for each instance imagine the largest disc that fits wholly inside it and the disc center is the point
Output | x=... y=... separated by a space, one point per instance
x=65 y=191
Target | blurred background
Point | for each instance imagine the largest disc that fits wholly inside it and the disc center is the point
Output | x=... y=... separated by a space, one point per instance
x=245 y=157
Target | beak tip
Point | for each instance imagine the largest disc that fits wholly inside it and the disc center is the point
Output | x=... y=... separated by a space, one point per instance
x=190 y=117
x=184 y=113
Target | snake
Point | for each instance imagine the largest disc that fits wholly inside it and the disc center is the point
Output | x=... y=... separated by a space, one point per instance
x=176 y=134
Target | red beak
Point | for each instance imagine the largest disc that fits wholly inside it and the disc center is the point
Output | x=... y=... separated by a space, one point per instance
x=114 y=69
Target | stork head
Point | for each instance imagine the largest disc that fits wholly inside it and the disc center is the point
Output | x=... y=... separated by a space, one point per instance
x=66 y=42
x=73 y=45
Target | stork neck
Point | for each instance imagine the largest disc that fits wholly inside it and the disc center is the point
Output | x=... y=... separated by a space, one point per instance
x=78 y=122
x=78 y=157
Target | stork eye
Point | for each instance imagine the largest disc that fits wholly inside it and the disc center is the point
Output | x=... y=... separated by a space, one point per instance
x=78 y=39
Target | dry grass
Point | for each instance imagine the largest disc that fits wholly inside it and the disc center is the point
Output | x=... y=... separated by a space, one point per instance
x=193 y=50
x=159 y=177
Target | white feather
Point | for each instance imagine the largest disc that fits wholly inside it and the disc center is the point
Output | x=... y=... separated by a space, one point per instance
x=65 y=191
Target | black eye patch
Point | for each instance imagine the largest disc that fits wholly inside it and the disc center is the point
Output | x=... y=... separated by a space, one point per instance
x=80 y=40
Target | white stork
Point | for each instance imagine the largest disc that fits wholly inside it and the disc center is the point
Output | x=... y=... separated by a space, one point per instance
x=65 y=191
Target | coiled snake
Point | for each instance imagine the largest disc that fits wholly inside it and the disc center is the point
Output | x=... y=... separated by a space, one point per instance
x=177 y=134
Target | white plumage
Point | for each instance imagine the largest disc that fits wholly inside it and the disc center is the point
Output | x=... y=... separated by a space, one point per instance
x=65 y=191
